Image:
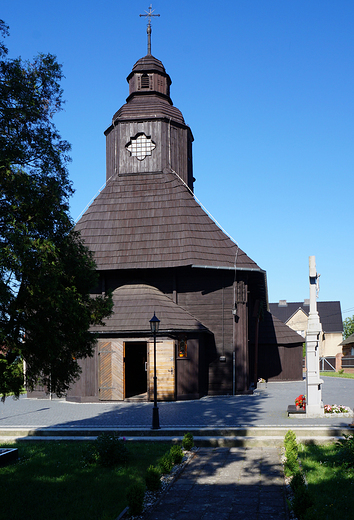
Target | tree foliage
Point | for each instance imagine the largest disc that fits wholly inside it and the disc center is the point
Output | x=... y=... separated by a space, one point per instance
x=348 y=327
x=46 y=272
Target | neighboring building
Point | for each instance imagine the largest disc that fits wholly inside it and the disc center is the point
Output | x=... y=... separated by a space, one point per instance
x=295 y=315
x=159 y=252
x=347 y=361
x=348 y=346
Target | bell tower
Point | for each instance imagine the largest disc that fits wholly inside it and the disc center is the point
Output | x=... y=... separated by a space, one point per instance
x=148 y=134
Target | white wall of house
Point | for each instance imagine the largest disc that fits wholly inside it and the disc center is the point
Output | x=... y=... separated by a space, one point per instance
x=329 y=341
x=330 y=344
x=298 y=322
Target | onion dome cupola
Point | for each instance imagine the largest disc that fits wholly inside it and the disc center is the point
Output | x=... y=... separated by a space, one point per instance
x=148 y=134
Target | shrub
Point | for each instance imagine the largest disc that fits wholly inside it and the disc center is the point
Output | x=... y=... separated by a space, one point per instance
x=311 y=513
x=135 y=497
x=290 y=442
x=297 y=482
x=89 y=455
x=188 y=441
x=302 y=502
x=176 y=454
x=153 y=478
x=289 y=437
x=110 y=450
x=291 y=465
x=291 y=451
x=165 y=463
x=346 y=446
x=291 y=447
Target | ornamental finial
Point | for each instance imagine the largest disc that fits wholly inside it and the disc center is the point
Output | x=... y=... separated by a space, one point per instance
x=149 y=14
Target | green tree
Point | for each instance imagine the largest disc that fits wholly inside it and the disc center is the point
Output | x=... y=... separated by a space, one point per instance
x=46 y=273
x=348 y=327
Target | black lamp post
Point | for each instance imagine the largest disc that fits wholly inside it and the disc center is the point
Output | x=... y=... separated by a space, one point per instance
x=154 y=326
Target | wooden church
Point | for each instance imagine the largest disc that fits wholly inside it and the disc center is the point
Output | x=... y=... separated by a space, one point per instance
x=159 y=252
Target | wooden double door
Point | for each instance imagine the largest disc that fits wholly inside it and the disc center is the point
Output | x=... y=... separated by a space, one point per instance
x=126 y=369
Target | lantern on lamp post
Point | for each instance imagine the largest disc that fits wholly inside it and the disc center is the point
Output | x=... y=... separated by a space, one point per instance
x=154 y=326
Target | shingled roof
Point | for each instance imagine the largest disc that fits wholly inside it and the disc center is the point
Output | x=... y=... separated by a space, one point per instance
x=273 y=331
x=153 y=221
x=329 y=312
x=148 y=63
x=349 y=340
x=134 y=306
x=150 y=105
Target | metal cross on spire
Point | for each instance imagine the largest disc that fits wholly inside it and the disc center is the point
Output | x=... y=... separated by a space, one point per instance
x=149 y=14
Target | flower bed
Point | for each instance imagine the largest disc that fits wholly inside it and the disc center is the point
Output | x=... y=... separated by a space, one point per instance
x=334 y=408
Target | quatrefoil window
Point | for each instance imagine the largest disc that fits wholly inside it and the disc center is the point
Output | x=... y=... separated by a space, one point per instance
x=140 y=146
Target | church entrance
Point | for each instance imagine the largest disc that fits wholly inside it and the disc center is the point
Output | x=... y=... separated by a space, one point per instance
x=135 y=369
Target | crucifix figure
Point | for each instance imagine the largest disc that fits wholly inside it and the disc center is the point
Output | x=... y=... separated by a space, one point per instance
x=149 y=14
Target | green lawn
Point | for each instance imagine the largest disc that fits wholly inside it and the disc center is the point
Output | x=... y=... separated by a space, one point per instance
x=53 y=480
x=336 y=374
x=330 y=483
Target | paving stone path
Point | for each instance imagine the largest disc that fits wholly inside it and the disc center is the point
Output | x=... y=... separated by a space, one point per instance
x=265 y=408
x=227 y=484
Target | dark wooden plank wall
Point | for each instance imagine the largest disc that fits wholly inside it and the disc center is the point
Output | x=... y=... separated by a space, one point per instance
x=209 y=296
x=241 y=344
x=112 y=162
x=187 y=370
x=86 y=387
x=172 y=149
x=280 y=363
x=177 y=151
x=211 y=300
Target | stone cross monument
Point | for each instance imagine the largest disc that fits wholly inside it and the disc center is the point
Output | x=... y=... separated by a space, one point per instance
x=314 y=406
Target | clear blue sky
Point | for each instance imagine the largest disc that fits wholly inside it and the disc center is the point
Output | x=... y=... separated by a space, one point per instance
x=267 y=87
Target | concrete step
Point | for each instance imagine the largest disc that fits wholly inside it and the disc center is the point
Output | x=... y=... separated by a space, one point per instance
x=253 y=436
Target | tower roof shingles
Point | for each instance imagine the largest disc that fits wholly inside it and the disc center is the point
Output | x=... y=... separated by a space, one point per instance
x=153 y=221
x=150 y=105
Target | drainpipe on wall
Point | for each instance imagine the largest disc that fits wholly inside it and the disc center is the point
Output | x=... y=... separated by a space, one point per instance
x=256 y=314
